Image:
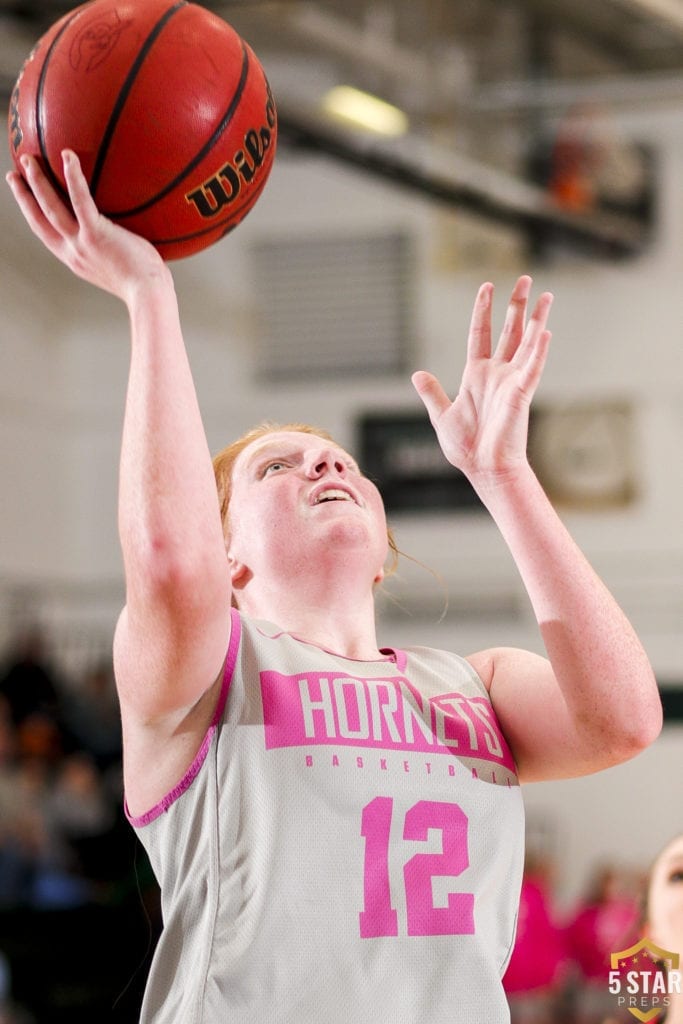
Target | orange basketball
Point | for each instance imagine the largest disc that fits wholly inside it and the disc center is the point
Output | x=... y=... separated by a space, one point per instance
x=168 y=109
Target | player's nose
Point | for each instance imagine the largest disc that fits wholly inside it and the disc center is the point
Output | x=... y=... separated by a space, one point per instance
x=324 y=460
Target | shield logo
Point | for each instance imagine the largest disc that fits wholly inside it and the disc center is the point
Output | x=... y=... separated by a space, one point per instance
x=642 y=960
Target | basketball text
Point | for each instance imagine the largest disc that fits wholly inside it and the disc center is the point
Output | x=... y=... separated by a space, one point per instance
x=223 y=187
x=320 y=709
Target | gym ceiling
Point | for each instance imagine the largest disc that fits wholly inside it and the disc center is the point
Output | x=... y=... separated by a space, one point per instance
x=488 y=92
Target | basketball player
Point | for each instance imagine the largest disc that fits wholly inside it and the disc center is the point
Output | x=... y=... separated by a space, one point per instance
x=337 y=829
x=665 y=916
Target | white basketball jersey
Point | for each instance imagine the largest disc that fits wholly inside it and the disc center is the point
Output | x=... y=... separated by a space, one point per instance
x=346 y=847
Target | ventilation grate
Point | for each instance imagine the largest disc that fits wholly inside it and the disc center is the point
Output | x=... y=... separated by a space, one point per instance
x=332 y=307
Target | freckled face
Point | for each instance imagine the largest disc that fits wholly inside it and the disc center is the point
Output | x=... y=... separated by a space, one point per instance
x=665 y=898
x=297 y=498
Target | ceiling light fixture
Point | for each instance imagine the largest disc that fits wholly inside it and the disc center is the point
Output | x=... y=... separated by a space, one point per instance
x=364 y=111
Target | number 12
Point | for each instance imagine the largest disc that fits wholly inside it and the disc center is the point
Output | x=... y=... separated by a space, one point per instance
x=379 y=918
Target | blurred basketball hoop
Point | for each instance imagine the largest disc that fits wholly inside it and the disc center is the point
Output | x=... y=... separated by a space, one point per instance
x=592 y=165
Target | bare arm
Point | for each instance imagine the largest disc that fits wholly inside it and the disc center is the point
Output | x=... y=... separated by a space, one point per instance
x=594 y=701
x=172 y=636
x=173 y=633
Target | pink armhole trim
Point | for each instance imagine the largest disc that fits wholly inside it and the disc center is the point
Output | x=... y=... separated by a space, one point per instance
x=399 y=656
x=138 y=821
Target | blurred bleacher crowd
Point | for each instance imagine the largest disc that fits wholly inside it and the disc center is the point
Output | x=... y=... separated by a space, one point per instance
x=79 y=907
x=559 y=969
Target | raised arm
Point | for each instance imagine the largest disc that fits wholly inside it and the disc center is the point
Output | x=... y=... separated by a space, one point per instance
x=172 y=635
x=594 y=702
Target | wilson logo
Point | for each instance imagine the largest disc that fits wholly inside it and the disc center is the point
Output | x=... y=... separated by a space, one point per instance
x=223 y=187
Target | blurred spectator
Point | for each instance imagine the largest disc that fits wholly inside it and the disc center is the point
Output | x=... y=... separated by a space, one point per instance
x=28 y=682
x=71 y=869
x=606 y=920
x=90 y=714
x=76 y=811
x=39 y=739
x=664 y=913
x=56 y=813
x=7 y=734
x=10 y=1013
x=23 y=784
x=537 y=966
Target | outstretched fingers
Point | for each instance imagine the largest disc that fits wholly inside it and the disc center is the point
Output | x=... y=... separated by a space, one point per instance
x=82 y=202
x=45 y=210
x=532 y=352
x=535 y=364
x=513 y=326
x=39 y=223
x=50 y=204
x=435 y=399
x=68 y=228
x=479 y=338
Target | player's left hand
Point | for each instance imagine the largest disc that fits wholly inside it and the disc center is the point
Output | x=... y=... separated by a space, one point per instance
x=483 y=432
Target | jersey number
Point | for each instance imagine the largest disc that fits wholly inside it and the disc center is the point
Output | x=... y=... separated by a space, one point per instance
x=378 y=918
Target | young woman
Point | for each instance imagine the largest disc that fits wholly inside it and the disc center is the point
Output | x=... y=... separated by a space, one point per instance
x=664 y=914
x=337 y=829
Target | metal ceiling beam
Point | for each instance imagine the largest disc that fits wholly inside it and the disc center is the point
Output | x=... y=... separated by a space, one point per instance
x=668 y=12
x=360 y=45
x=547 y=94
x=451 y=179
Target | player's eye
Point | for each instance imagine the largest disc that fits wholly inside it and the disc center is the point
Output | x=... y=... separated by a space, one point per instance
x=676 y=875
x=273 y=467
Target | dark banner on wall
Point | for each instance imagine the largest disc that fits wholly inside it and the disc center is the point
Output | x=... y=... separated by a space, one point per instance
x=399 y=451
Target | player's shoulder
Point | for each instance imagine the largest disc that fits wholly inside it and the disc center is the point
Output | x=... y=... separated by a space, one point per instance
x=448 y=662
x=510 y=661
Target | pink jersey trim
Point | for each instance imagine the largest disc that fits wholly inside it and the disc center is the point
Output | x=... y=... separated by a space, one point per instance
x=138 y=821
x=399 y=657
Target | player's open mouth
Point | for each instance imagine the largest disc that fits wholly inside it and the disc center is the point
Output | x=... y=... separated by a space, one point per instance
x=326 y=494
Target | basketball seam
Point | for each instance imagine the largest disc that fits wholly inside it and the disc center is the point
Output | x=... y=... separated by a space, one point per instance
x=206 y=148
x=51 y=173
x=124 y=92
